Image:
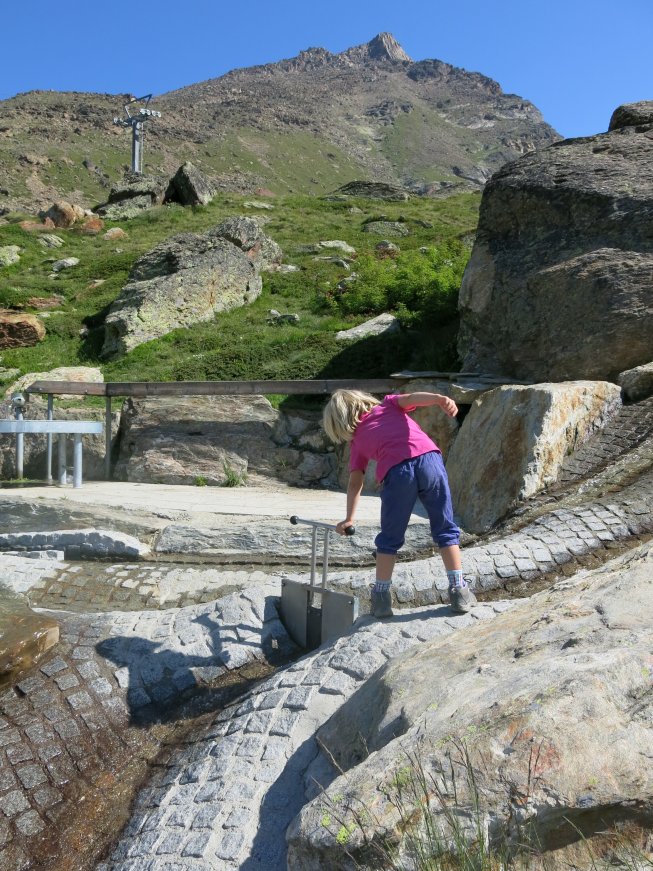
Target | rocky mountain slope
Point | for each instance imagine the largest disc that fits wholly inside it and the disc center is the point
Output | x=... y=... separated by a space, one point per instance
x=306 y=124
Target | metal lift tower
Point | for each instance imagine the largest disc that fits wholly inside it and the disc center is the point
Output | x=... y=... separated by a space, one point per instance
x=137 y=124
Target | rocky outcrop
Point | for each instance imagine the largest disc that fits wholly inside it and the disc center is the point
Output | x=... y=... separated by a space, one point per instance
x=382 y=324
x=79 y=374
x=246 y=234
x=514 y=441
x=63 y=214
x=559 y=285
x=184 y=280
x=531 y=728
x=9 y=254
x=220 y=441
x=189 y=187
x=387 y=228
x=136 y=193
x=19 y=330
x=373 y=190
x=637 y=383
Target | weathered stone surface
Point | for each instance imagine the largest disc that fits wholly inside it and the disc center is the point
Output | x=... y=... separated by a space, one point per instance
x=190 y=187
x=637 y=383
x=387 y=249
x=92 y=225
x=544 y=712
x=136 y=193
x=19 y=330
x=632 y=115
x=182 y=281
x=338 y=244
x=382 y=324
x=373 y=190
x=247 y=235
x=49 y=240
x=220 y=440
x=9 y=254
x=560 y=282
x=387 y=228
x=63 y=214
x=44 y=303
x=114 y=233
x=79 y=374
x=514 y=441
x=65 y=263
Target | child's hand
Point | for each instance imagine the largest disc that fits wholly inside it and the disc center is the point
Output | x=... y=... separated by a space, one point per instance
x=340 y=527
x=448 y=406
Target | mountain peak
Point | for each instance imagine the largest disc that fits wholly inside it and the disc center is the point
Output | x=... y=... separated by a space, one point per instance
x=383 y=47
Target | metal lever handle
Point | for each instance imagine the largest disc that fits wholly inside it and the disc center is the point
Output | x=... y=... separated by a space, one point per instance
x=350 y=530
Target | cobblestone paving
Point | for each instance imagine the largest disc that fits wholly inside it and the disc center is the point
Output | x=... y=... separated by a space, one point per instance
x=98 y=587
x=71 y=730
x=225 y=799
x=628 y=429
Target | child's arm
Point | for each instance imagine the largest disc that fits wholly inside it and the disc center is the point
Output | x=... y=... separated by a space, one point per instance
x=419 y=400
x=354 y=488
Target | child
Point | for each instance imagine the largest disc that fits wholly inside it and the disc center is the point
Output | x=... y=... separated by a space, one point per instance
x=410 y=465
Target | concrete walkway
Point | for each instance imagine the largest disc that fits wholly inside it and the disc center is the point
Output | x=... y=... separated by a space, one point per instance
x=274 y=501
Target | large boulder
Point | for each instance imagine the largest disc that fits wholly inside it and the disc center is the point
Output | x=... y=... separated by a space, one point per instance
x=63 y=214
x=190 y=187
x=535 y=727
x=219 y=441
x=247 y=235
x=514 y=441
x=79 y=374
x=184 y=280
x=132 y=196
x=20 y=330
x=560 y=282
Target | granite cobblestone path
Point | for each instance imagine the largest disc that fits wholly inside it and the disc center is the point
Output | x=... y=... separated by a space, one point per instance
x=225 y=799
x=84 y=724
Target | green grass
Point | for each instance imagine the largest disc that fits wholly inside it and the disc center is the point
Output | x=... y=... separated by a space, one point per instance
x=240 y=344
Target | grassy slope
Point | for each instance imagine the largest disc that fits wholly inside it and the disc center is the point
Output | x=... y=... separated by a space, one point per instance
x=240 y=343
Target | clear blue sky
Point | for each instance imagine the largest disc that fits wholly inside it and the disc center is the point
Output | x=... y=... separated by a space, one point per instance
x=576 y=60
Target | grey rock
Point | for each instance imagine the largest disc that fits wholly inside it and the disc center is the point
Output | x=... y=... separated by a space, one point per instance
x=632 y=115
x=514 y=441
x=49 y=240
x=497 y=694
x=9 y=254
x=136 y=193
x=387 y=228
x=385 y=324
x=637 y=383
x=559 y=285
x=373 y=190
x=247 y=235
x=66 y=263
x=190 y=187
x=185 y=280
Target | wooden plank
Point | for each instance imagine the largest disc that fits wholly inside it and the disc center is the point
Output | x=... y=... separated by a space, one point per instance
x=236 y=388
x=77 y=388
x=214 y=388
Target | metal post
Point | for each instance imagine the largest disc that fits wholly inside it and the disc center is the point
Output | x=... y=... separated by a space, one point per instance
x=107 y=438
x=61 y=443
x=325 y=558
x=20 y=443
x=48 y=473
x=77 y=460
x=137 y=154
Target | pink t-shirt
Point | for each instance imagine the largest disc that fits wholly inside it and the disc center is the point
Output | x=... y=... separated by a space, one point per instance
x=388 y=435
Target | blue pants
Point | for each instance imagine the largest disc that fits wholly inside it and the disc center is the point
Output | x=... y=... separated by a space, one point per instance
x=422 y=477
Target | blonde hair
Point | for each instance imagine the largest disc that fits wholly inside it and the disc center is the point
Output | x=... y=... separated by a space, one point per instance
x=343 y=411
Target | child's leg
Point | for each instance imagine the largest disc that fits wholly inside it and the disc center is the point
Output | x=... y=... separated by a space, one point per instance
x=397 y=502
x=436 y=498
